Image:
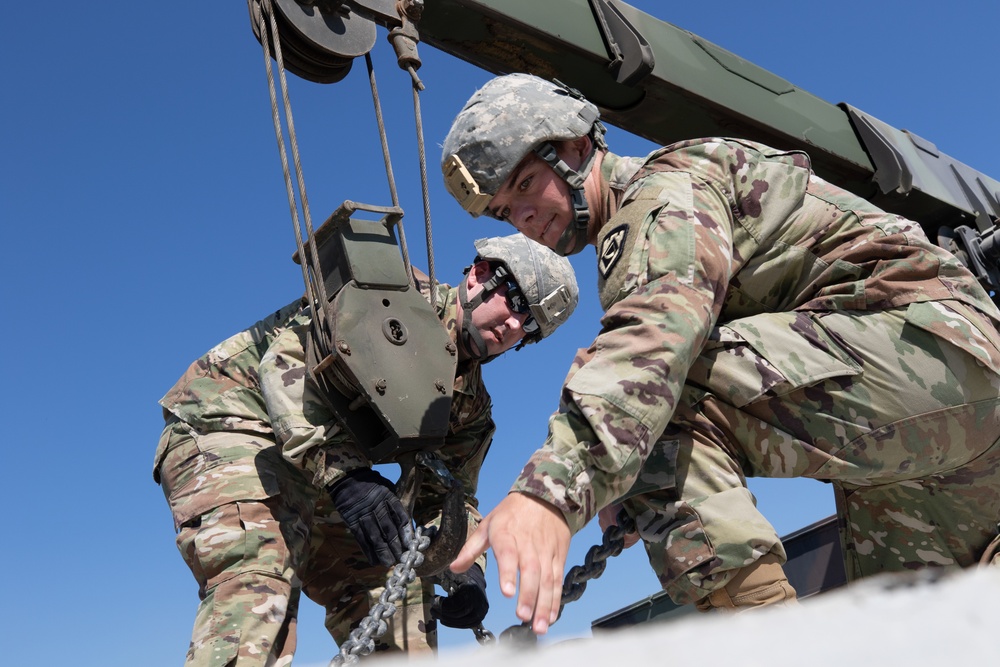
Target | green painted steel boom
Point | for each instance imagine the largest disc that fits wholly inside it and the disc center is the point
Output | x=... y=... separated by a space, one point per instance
x=665 y=84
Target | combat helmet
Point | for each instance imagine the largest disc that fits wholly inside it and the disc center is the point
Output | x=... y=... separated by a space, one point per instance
x=505 y=120
x=538 y=281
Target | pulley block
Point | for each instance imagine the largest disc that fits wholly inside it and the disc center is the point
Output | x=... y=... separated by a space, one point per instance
x=319 y=38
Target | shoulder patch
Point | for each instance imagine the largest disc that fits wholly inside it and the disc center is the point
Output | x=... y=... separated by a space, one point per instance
x=612 y=249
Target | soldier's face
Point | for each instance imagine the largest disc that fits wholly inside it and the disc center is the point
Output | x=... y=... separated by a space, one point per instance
x=496 y=321
x=535 y=200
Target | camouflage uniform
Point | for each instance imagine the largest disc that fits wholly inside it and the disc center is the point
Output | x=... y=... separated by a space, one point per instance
x=762 y=322
x=254 y=526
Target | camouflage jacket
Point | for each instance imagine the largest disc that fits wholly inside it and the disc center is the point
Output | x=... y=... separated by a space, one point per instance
x=221 y=390
x=236 y=386
x=697 y=234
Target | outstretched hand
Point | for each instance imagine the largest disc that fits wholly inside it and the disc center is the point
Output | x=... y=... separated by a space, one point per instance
x=530 y=540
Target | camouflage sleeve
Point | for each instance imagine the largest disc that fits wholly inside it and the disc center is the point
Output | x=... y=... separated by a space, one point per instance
x=307 y=431
x=621 y=392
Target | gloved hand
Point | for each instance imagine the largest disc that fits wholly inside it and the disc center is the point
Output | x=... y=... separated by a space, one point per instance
x=466 y=606
x=368 y=504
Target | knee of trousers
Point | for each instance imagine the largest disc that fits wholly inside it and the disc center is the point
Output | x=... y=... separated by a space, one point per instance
x=694 y=547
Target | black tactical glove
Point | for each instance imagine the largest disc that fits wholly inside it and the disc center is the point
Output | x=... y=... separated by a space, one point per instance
x=368 y=504
x=466 y=604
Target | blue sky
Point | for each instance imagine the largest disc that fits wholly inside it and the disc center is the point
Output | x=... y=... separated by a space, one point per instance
x=144 y=219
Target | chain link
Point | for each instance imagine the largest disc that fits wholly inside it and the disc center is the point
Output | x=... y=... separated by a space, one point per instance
x=575 y=582
x=362 y=639
x=612 y=544
x=361 y=642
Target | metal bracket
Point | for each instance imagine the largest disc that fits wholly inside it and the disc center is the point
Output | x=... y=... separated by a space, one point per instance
x=631 y=55
x=979 y=253
x=449 y=537
x=906 y=164
x=892 y=174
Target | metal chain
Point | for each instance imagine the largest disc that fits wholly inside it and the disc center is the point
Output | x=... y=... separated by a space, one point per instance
x=595 y=561
x=361 y=641
x=483 y=636
x=575 y=582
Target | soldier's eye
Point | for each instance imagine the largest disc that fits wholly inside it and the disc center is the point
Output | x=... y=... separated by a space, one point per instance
x=498 y=214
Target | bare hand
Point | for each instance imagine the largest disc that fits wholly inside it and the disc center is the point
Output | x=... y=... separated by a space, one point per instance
x=609 y=517
x=530 y=539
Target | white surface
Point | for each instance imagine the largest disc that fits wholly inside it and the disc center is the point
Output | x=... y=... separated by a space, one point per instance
x=887 y=621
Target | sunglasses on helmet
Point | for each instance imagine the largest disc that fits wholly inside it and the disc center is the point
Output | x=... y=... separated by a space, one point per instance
x=518 y=303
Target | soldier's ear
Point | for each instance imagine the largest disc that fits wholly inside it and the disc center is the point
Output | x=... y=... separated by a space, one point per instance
x=577 y=149
x=481 y=272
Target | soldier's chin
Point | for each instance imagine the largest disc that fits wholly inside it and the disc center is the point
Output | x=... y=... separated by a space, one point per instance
x=564 y=244
x=569 y=243
x=474 y=349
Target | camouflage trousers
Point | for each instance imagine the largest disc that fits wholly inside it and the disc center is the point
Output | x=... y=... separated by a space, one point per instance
x=250 y=528
x=899 y=410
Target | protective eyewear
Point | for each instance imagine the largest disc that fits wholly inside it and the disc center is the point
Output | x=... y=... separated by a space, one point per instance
x=518 y=303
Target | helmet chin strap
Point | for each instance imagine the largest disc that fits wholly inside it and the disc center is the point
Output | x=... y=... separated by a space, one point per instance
x=574 y=237
x=468 y=336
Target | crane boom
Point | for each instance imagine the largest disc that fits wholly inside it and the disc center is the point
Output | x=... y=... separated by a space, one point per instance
x=665 y=84
x=694 y=88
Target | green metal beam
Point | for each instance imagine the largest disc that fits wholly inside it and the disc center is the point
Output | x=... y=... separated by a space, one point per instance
x=698 y=89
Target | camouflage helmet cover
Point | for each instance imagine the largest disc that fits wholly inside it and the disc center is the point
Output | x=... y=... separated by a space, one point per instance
x=545 y=278
x=500 y=124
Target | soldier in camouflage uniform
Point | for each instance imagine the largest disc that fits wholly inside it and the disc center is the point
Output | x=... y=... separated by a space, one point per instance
x=759 y=321
x=249 y=447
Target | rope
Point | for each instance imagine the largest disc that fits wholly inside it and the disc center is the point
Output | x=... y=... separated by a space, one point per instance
x=388 y=162
x=417 y=87
x=361 y=641
x=268 y=29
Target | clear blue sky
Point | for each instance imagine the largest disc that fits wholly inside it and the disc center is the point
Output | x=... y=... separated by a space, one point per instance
x=143 y=219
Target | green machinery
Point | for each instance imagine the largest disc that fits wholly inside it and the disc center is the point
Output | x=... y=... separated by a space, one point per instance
x=665 y=84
